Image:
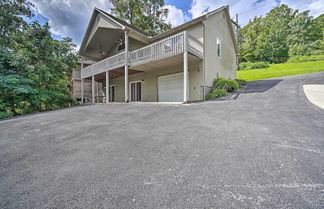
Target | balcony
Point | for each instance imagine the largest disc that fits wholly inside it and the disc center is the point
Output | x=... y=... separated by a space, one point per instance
x=163 y=49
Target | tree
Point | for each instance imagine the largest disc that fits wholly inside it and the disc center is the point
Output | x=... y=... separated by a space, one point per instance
x=304 y=31
x=34 y=68
x=49 y=64
x=147 y=15
x=11 y=21
x=282 y=33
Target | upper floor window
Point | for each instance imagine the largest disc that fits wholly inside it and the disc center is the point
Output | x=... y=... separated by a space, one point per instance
x=218 y=47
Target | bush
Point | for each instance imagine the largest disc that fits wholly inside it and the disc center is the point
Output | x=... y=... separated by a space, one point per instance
x=4 y=115
x=216 y=93
x=306 y=58
x=253 y=65
x=227 y=85
x=241 y=83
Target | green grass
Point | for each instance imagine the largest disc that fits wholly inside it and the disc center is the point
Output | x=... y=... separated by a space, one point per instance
x=278 y=70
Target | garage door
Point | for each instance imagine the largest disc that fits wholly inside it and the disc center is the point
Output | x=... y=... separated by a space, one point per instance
x=170 y=88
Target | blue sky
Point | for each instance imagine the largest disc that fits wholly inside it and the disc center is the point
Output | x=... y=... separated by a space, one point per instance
x=70 y=17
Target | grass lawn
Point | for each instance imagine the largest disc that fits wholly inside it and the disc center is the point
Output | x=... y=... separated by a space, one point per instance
x=278 y=70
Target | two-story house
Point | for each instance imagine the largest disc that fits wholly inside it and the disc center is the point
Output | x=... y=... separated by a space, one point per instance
x=176 y=66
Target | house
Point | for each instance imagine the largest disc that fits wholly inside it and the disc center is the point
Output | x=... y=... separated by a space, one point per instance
x=176 y=66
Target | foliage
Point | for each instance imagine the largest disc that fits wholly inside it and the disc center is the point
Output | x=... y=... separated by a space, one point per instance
x=282 y=33
x=11 y=21
x=228 y=85
x=253 y=65
x=278 y=70
x=241 y=83
x=147 y=15
x=216 y=93
x=34 y=68
x=221 y=87
x=306 y=58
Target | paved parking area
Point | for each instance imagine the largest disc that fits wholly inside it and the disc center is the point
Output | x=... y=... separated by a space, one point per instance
x=263 y=149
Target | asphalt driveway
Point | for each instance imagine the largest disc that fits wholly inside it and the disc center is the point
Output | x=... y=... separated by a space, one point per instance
x=263 y=149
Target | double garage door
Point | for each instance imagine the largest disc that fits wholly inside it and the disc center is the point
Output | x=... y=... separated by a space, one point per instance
x=170 y=88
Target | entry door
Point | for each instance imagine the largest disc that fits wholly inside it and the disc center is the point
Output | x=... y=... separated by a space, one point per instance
x=170 y=88
x=111 y=93
x=136 y=91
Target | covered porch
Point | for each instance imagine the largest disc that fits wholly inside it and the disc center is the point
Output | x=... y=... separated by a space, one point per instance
x=159 y=81
x=141 y=70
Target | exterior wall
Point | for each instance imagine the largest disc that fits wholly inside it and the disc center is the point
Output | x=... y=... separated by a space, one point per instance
x=225 y=66
x=150 y=83
x=76 y=88
x=76 y=84
x=196 y=31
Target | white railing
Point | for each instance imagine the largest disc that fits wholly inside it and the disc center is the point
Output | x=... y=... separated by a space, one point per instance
x=160 y=50
x=165 y=48
x=109 y=63
x=195 y=46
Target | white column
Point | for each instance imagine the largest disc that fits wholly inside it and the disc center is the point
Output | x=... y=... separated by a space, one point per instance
x=107 y=86
x=126 y=66
x=82 y=91
x=185 y=70
x=93 y=90
x=81 y=80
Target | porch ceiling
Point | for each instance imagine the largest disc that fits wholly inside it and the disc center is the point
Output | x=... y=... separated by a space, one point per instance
x=104 y=39
x=168 y=62
x=115 y=74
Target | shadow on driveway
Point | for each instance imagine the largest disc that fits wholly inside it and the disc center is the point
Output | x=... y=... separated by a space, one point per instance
x=260 y=86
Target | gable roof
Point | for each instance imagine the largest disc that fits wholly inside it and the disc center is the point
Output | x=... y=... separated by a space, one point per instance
x=122 y=22
x=172 y=31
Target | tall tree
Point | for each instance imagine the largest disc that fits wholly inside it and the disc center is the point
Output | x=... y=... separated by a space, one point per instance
x=283 y=32
x=34 y=67
x=11 y=21
x=147 y=15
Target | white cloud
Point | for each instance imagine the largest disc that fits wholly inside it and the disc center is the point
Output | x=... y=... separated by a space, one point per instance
x=69 y=17
x=248 y=9
x=176 y=16
x=316 y=7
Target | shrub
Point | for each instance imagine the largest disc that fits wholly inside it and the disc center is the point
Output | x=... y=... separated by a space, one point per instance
x=4 y=115
x=241 y=83
x=216 y=93
x=227 y=85
x=253 y=65
x=306 y=58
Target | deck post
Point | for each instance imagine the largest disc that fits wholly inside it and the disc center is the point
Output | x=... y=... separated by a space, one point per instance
x=107 y=86
x=185 y=69
x=81 y=80
x=93 y=90
x=126 y=65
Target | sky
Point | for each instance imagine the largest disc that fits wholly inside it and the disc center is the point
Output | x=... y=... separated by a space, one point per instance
x=69 y=18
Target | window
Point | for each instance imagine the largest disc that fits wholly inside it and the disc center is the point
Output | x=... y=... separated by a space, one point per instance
x=218 y=47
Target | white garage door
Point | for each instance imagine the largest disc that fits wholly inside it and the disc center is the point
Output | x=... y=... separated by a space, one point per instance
x=171 y=88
